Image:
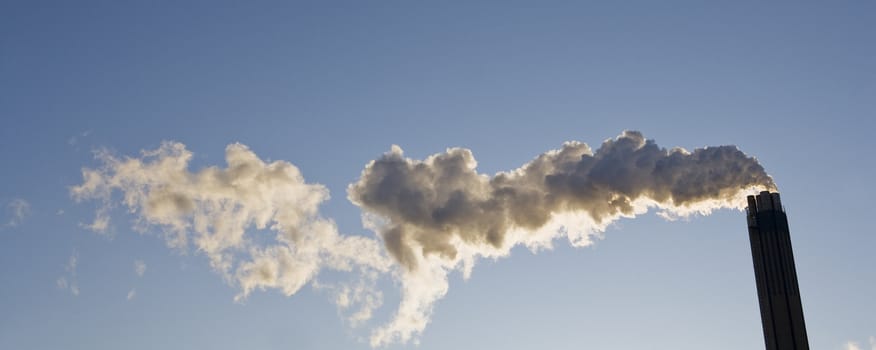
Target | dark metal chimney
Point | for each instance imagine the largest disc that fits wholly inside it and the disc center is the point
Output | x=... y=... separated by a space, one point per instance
x=781 y=310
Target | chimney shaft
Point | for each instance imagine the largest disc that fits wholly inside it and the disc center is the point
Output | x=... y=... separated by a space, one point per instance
x=781 y=309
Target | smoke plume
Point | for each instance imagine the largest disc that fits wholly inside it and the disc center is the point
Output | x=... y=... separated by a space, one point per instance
x=439 y=214
x=258 y=223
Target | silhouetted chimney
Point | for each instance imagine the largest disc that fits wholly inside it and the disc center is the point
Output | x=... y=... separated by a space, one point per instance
x=781 y=310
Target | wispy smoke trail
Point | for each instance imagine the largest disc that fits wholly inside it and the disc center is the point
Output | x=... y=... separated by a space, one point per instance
x=257 y=222
x=439 y=214
x=434 y=216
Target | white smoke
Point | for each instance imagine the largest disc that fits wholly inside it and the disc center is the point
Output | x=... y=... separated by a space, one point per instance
x=259 y=226
x=256 y=222
x=18 y=209
x=439 y=214
x=852 y=345
x=68 y=282
x=139 y=267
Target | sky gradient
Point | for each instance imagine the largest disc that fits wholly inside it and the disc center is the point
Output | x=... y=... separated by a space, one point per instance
x=331 y=87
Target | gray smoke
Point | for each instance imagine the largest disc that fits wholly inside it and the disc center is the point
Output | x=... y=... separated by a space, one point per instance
x=441 y=213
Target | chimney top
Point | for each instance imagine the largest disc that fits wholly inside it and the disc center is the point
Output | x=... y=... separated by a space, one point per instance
x=765 y=201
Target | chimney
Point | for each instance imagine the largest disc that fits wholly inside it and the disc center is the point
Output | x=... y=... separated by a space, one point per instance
x=781 y=309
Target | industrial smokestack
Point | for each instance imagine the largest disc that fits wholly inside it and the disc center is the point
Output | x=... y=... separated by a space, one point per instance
x=781 y=310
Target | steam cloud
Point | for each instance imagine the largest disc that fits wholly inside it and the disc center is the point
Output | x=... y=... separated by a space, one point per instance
x=257 y=222
x=440 y=214
x=433 y=216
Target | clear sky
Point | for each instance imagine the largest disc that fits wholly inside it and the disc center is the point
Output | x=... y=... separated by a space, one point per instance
x=330 y=86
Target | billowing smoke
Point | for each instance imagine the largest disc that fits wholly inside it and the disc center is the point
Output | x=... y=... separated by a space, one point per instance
x=259 y=225
x=257 y=222
x=439 y=214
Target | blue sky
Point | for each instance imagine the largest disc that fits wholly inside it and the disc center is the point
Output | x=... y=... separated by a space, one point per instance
x=330 y=87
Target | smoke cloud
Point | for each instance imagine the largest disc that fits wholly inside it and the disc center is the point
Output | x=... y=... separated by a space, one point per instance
x=439 y=214
x=258 y=223
x=139 y=267
x=851 y=345
x=69 y=281
x=18 y=209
